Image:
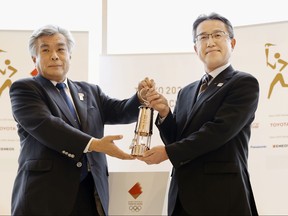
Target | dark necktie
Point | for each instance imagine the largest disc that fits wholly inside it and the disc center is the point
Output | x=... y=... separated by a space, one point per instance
x=61 y=87
x=205 y=81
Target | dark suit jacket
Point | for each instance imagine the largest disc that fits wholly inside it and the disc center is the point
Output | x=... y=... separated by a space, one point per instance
x=51 y=145
x=207 y=143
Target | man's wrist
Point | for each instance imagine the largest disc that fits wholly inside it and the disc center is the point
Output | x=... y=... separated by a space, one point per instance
x=164 y=113
x=93 y=144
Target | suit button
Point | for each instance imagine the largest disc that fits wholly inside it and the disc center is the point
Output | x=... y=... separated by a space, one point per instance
x=79 y=164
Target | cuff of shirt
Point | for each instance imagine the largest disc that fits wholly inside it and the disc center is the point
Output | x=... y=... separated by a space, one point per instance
x=160 y=120
x=88 y=145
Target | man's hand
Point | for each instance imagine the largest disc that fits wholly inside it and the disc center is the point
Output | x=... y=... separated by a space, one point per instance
x=106 y=145
x=155 y=155
x=158 y=102
x=148 y=95
x=143 y=87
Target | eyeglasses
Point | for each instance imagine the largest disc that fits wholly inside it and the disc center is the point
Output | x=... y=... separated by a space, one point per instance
x=218 y=35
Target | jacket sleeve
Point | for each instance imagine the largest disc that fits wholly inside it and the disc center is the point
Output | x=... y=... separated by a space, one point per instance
x=38 y=116
x=222 y=119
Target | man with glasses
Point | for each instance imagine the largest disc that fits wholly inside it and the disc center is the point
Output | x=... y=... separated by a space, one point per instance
x=206 y=137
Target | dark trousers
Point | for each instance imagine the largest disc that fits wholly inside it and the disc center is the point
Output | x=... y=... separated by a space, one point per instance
x=85 y=203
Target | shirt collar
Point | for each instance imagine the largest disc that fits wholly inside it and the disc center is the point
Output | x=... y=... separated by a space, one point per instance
x=218 y=70
x=65 y=81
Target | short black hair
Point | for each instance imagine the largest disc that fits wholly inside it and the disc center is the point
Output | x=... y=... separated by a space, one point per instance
x=213 y=16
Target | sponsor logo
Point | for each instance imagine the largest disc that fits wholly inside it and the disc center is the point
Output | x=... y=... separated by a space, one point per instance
x=280 y=146
x=135 y=205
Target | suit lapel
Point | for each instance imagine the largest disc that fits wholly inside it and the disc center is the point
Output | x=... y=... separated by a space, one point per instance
x=193 y=95
x=214 y=86
x=80 y=101
x=57 y=98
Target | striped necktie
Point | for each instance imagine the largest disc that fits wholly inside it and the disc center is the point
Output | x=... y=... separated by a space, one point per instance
x=205 y=81
x=61 y=87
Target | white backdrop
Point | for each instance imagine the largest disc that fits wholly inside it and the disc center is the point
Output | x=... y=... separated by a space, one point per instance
x=268 y=157
x=119 y=76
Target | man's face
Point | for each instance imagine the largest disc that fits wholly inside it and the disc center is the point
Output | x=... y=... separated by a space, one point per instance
x=53 y=58
x=215 y=50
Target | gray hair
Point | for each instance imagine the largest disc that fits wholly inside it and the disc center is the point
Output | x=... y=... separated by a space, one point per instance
x=49 y=30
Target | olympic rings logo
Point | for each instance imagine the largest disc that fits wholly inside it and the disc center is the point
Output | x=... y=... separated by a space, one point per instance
x=135 y=208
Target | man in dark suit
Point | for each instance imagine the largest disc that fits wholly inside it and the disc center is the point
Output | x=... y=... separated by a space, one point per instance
x=62 y=163
x=206 y=138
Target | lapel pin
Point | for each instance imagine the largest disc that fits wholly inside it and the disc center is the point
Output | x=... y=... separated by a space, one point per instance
x=220 y=84
x=81 y=96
